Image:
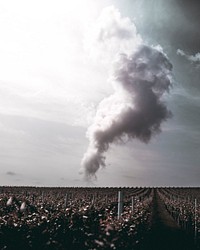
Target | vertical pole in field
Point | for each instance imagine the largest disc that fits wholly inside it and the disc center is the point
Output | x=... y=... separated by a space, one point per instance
x=132 y=204
x=195 y=219
x=106 y=199
x=33 y=198
x=93 y=199
x=120 y=203
x=42 y=196
x=66 y=200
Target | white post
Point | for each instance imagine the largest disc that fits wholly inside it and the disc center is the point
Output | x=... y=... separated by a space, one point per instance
x=42 y=197
x=195 y=219
x=132 y=203
x=93 y=199
x=106 y=199
x=66 y=200
x=120 y=203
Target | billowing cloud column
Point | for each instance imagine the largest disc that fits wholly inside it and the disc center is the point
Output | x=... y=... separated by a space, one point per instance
x=139 y=78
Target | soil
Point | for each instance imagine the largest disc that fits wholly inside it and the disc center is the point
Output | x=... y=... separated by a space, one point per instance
x=165 y=233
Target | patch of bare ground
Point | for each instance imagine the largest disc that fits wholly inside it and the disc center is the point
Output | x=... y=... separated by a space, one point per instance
x=165 y=234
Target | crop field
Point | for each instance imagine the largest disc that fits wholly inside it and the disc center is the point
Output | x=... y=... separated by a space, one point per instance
x=99 y=218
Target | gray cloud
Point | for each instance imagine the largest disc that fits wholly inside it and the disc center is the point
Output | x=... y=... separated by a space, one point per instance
x=40 y=152
x=11 y=173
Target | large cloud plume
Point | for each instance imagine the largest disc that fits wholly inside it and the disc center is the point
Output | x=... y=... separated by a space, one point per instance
x=141 y=74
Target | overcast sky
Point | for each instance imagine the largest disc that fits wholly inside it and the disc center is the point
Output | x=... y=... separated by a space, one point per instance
x=50 y=87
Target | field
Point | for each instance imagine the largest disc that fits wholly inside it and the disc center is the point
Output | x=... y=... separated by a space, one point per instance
x=96 y=218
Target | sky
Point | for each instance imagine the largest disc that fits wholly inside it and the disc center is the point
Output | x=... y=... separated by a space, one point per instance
x=54 y=74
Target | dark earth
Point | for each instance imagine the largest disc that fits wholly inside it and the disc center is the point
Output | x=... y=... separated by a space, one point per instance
x=165 y=233
x=161 y=233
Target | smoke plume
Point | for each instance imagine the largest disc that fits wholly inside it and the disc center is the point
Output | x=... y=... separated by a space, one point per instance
x=141 y=74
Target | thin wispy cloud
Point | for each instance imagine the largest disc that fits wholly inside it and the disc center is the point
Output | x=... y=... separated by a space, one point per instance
x=191 y=58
